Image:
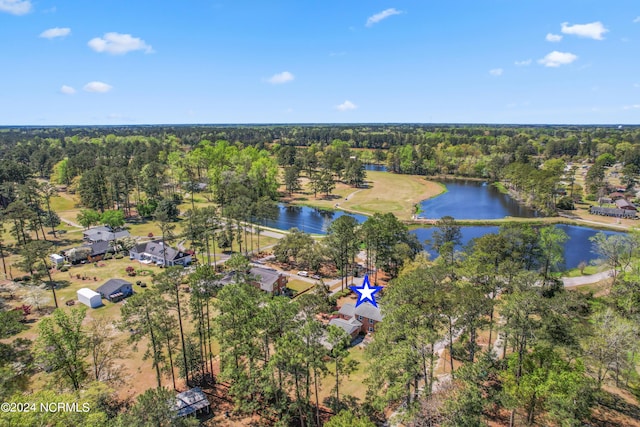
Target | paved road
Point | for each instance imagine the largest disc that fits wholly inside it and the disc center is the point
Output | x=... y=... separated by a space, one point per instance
x=586 y=280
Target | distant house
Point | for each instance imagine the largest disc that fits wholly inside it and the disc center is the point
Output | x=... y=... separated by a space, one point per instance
x=616 y=195
x=191 y=402
x=351 y=326
x=158 y=253
x=104 y=233
x=115 y=290
x=604 y=201
x=90 y=252
x=613 y=212
x=366 y=313
x=270 y=281
x=624 y=204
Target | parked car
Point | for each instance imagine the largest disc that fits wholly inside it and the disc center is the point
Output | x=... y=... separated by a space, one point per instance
x=303 y=273
x=315 y=276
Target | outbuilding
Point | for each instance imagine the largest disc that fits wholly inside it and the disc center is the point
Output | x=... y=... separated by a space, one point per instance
x=56 y=259
x=89 y=298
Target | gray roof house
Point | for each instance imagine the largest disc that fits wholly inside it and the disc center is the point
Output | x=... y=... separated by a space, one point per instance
x=104 y=233
x=271 y=281
x=351 y=326
x=192 y=401
x=115 y=289
x=366 y=314
x=157 y=252
x=625 y=204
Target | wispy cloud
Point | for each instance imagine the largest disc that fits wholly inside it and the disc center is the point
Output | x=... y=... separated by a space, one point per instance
x=496 y=72
x=97 y=87
x=556 y=59
x=280 y=78
x=593 y=30
x=53 y=33
x=637 y=20
x=553 y=38
x=15 y=7
x=337 y=53
x=631 y=107
x=346 y=106
x=374 y=19
x=119 y=44
x=523 y=63
x=636 y=85
x=67 y=90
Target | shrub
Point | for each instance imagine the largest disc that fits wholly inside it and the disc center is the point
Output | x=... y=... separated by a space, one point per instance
x=591 y=197
x=64 y=268
x=107 y=256
x=565 y=203
x=118 y=256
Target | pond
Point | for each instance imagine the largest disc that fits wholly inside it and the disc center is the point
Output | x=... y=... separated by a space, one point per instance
x=576 y=249
x=473 y=200
x=307 y=219
x=375 y=168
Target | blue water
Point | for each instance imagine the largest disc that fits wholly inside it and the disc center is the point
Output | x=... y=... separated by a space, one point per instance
x=577 y=248
x=309 y=220
x=376 y=168
x=472 y=200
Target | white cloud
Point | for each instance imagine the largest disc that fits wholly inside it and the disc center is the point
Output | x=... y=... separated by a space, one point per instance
x=346 y=106
x=67 y=90
x=15 y=7
x=556 y=59
x=280 y=78
x=97 y=87
x=497 y=72
x=52 y=33
x=553 y=37
x=637 y=20
x=593 y=30
x=636 y=85
x=374 y=19
x=632 y=107
x=118 y=44
x=523 y=63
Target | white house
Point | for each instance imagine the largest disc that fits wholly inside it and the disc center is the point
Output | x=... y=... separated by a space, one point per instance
x=157 y=252
x=89 y=298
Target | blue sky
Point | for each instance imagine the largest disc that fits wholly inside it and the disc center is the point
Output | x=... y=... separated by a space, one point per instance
x=329 y=61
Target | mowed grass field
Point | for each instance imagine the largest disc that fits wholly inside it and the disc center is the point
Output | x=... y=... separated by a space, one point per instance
x=385 y=192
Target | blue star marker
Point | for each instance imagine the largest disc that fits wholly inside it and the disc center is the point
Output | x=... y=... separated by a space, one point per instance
x=366 y=292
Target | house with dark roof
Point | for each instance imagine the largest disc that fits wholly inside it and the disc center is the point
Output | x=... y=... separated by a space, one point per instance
x=351 y=326
x=158 y=253
x=104 y=233
x=115 y=290
x=89 y=252
x=269 y=280
x=625 y=204
x=366 y=314
x=191 y=402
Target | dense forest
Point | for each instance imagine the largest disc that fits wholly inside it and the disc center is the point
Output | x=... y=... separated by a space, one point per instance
x=520 y=349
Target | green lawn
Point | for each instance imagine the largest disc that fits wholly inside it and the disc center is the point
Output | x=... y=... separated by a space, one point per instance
x=299 y=285
x=386 y=192
x=354 y=385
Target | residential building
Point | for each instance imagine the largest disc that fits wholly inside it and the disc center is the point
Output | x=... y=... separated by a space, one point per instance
x=104 y=233
x=269 y=280
x=115 y=290
x=158 y=253
x=366 y=314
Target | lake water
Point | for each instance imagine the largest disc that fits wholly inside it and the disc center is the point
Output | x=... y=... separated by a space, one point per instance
x=309 y=220
x=576 y=249
x=473 y=200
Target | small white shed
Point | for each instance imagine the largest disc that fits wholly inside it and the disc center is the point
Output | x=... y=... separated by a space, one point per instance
x=56 y=259
x=89 y=298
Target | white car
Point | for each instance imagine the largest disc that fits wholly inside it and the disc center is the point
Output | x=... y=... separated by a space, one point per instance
x=303 y=273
